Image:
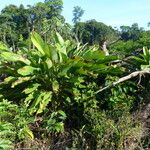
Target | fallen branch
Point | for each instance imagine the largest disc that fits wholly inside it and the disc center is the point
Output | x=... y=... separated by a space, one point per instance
x=132 y=75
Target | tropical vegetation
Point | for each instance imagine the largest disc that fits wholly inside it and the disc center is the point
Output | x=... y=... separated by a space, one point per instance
x=82 y=86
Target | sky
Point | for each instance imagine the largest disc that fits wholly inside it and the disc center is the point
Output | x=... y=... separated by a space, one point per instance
x=110 y=12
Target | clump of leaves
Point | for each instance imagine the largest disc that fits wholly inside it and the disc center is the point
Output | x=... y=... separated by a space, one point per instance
x=51 y=75
x=13 y=124
x=55 y=123
x=143 y=61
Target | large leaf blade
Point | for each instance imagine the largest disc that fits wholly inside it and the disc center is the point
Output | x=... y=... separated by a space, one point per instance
x=26 y=70
x=10 y=56
x=38 y=42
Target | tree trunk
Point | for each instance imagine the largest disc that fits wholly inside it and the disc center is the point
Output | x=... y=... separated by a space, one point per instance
x=104 y=48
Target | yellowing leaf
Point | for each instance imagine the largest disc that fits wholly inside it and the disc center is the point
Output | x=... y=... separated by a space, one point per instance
x=55 y=86
x=8 y=79
x=20 y=80
x=49 y=63
x=10 y=56
x=26 y=70
x=28 y=133
x=32 y=88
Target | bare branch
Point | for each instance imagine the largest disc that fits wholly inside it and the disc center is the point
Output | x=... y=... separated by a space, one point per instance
x=132 y=75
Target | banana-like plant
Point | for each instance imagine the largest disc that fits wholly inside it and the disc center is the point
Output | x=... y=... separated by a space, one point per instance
x=35 y=75
x=52 y=77
x=144 y=59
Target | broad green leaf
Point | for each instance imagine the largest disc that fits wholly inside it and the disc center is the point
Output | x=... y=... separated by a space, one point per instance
x=20 y=80
x=38 y=42
x=59 y=39
x=38 y=99
x=55 y=86
x=61 y=49
x=146 y=56
x=54 y=55
x=36 y=102
x=89 y=55
x=64 y=69
x=26 y=70
x=43 y=47
x=40 y=102
x=3 y=47
x=145 y=66
x=49 y=63
x=145 y=51
x=67 y=43
x=10 y=56
x=60 y=57
x=47 y=50
x=28 y=99
x=46 y=99
x=9 y=79
x=32 y=88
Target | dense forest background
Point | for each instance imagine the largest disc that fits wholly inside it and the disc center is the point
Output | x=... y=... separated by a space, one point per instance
x=80 y=86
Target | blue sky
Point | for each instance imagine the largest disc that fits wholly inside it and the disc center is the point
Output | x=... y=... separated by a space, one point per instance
x=111 y=12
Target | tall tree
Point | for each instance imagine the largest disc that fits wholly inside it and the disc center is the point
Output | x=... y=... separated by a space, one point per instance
x=131 y=32
x=77 y=14
x=54 y=8
x=44 y=17
x=93 y=32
